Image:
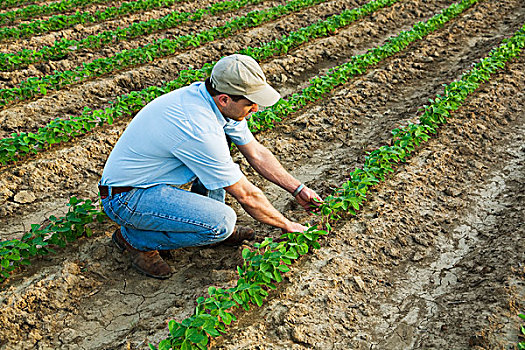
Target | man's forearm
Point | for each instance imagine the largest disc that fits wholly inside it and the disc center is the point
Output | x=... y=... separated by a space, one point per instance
x=271 y=169
x=263 y=211
x=265 y=163
x=257 y=205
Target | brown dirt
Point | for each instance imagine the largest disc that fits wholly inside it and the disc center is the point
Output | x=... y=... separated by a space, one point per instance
x=435 y=260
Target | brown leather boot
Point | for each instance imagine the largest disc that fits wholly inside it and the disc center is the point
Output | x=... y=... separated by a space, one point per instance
x=239 y=235
x=149 y=263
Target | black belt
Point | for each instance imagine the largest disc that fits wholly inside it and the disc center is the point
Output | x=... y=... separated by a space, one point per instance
x=104 y=190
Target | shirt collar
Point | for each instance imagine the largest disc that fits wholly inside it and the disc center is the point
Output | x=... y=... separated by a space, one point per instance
x=207 y=97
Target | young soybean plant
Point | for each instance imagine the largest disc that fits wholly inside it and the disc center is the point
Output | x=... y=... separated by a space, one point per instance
x=261 y=268
x=16 y=253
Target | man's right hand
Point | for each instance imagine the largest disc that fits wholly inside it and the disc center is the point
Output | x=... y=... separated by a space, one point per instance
x=308 y=199
x=294 y=227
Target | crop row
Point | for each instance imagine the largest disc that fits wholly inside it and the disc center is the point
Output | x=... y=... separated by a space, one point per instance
x=57 y=22
x=61 y=130
x=319 y=86
x=39 y=241
x=31 y=11
x=265 y=265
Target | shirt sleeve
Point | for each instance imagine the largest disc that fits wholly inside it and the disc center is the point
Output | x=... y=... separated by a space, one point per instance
x=209 y=158
x=238 y=131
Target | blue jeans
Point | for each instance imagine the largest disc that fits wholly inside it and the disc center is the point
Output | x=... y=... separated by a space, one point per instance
x=166 y=217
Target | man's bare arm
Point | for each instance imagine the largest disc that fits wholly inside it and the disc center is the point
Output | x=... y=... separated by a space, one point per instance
x=257 y=205
x=265 y=163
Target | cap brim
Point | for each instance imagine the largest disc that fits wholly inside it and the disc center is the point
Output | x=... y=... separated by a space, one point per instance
x=266 y=97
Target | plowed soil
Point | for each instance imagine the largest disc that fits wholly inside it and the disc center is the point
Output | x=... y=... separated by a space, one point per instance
x=435 y=260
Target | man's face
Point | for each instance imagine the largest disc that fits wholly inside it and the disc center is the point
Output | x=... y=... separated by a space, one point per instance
x=240 y=109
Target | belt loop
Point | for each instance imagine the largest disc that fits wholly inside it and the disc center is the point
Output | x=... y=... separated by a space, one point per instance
x=102 y=192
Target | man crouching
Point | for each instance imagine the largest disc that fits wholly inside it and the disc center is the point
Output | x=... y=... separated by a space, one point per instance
x=184 y=136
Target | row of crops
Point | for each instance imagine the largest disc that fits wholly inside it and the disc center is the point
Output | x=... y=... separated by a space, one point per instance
x=66 y=21
x=263 y=266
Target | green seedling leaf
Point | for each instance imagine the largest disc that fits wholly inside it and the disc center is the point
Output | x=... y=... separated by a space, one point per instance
x=196 y=336
x=246 y=253
x=164 y=345
x=186 y=345
x=212 y=331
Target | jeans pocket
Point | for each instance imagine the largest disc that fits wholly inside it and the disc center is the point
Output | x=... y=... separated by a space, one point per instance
x=129 y=199
x=121 y=208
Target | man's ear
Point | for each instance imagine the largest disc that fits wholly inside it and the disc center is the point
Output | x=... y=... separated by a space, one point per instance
x=223 y=99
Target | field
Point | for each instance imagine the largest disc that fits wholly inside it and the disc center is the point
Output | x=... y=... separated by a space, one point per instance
x=433 y=259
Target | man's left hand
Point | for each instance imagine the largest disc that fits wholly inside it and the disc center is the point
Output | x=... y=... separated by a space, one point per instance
x=308 y=199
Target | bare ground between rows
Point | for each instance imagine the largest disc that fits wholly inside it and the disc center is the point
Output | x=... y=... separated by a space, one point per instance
x=45 y=184
x=434 y=261
x=97 y=94
x=88 y=298
x=75 y=59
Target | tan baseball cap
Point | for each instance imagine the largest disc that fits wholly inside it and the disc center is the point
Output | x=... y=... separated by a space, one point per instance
x=241 y=75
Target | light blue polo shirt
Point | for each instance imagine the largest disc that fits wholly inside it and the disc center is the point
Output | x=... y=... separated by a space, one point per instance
x=174 y=139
